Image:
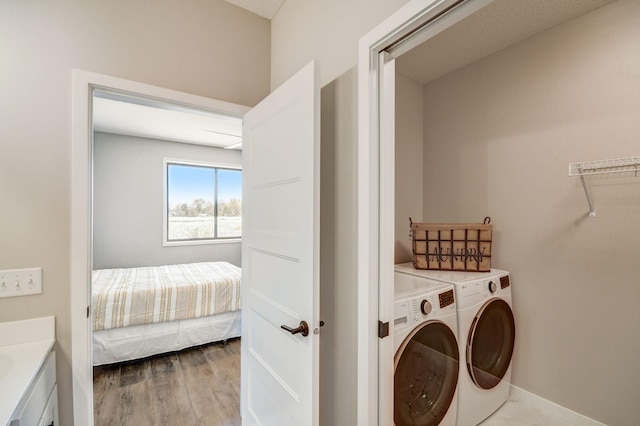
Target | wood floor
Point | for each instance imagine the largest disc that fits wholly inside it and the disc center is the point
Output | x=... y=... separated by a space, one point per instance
x=197 y=386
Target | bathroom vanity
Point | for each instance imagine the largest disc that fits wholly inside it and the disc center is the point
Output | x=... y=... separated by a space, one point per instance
x=28 y=373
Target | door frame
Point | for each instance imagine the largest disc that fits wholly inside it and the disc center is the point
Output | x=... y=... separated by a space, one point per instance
x=411 y=25
x=84 y=84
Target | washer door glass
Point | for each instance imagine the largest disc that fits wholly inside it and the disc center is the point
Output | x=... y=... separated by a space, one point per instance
x=426 y=375
x=490 y=344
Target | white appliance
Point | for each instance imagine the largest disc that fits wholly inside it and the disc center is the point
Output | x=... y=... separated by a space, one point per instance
x=426 y=362
x=486 y=334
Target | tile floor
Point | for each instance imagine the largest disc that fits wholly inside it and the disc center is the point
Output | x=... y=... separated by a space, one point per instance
x=519 y=413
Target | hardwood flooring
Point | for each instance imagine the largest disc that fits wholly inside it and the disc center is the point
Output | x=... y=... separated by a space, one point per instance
x=196 y=386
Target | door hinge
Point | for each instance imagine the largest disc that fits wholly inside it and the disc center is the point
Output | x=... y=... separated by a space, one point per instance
x=383 y=329
x=88 y=311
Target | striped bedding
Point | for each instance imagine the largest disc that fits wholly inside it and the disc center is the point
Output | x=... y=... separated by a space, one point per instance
x=133 y=296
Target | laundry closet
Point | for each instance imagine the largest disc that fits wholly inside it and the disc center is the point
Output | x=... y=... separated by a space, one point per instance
x=489 y=115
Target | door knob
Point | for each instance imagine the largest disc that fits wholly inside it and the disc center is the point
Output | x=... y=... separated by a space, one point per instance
x=302 y=329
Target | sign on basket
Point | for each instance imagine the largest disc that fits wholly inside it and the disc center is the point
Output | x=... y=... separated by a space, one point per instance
x=452 y=246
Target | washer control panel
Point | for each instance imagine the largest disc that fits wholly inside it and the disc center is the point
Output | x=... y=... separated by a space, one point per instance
x=505 y=281
x=446 y=298
x=408 y=311
x=422 y=307
x=425 y=307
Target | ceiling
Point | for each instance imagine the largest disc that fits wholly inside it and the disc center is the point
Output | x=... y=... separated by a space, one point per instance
x=264 y=8
x=493 y=28
x=155 y=120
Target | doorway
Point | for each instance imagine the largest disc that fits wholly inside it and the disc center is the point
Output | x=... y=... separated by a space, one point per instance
x=152 y=369
x=85 y=85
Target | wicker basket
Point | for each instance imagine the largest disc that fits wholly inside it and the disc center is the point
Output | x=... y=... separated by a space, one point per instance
x=452 y=246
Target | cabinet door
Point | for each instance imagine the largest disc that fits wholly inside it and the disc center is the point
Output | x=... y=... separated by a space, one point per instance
x=50 y=413
x=37 y=398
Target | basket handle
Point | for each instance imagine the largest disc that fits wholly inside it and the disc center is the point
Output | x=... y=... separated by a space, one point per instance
x=410 y=230
x=487 y=220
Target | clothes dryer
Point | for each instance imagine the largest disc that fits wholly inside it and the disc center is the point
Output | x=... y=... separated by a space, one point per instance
x=426 y=352
x=486 y=336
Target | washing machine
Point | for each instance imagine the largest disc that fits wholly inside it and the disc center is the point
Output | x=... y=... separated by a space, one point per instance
x=486 y=336
x=426 y=361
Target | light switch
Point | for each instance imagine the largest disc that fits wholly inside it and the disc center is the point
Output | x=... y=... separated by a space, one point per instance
x=20 y=282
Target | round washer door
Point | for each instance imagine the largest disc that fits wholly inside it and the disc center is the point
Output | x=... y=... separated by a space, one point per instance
x=490 y=344
x=426 y=375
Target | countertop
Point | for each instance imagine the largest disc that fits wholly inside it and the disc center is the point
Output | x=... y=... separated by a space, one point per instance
x=24 y=345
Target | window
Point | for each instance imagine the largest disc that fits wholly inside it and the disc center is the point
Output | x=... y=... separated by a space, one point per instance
x=203 y=203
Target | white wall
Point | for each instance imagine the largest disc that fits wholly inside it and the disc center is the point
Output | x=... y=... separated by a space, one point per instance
x=128 y=202
x=327 y=31
x=205 y=47
x=499 y=135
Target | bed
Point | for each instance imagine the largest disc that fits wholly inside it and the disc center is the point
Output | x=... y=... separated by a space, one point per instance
x=139 y=312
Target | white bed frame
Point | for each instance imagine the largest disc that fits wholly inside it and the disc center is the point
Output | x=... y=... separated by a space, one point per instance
x=140 y=341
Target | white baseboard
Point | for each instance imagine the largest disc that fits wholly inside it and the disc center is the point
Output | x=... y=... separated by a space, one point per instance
x=552 y=408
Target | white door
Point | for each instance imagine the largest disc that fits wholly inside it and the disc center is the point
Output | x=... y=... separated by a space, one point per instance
x=280 y=255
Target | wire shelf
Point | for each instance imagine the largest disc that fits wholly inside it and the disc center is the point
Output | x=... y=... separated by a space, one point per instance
x=614 y=165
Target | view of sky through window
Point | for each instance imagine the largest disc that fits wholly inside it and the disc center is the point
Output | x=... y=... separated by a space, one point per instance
x=191 y=199
x=186 y=183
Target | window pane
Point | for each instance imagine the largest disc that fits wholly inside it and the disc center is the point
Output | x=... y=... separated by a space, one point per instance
x=229 y=203
x=191 y=196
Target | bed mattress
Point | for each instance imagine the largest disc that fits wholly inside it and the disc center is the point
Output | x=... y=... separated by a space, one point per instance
x=124 y=297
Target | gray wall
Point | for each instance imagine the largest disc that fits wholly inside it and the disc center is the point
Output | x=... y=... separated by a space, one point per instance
x=499 y=135
x=128 y=202
x=205 y=47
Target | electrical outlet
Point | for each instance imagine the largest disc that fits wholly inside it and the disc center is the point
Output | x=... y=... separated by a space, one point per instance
x=20 y=282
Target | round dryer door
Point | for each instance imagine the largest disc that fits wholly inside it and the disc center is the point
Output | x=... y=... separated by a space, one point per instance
x=426 y=375
x=490 y=344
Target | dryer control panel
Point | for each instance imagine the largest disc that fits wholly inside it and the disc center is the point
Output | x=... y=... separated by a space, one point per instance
x=477 y=292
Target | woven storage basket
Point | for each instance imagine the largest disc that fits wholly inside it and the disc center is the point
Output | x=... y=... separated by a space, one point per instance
x=452 y=246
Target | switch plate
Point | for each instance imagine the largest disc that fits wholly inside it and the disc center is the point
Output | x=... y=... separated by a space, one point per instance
x=20 y=282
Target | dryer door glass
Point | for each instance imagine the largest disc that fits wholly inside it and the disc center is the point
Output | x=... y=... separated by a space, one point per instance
x=426 y=375
x=490 y=344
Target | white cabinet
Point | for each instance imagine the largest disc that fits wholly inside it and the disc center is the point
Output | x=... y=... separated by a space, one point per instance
x=39 y=405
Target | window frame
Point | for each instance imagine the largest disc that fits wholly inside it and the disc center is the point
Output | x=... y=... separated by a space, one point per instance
x=165 y=202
